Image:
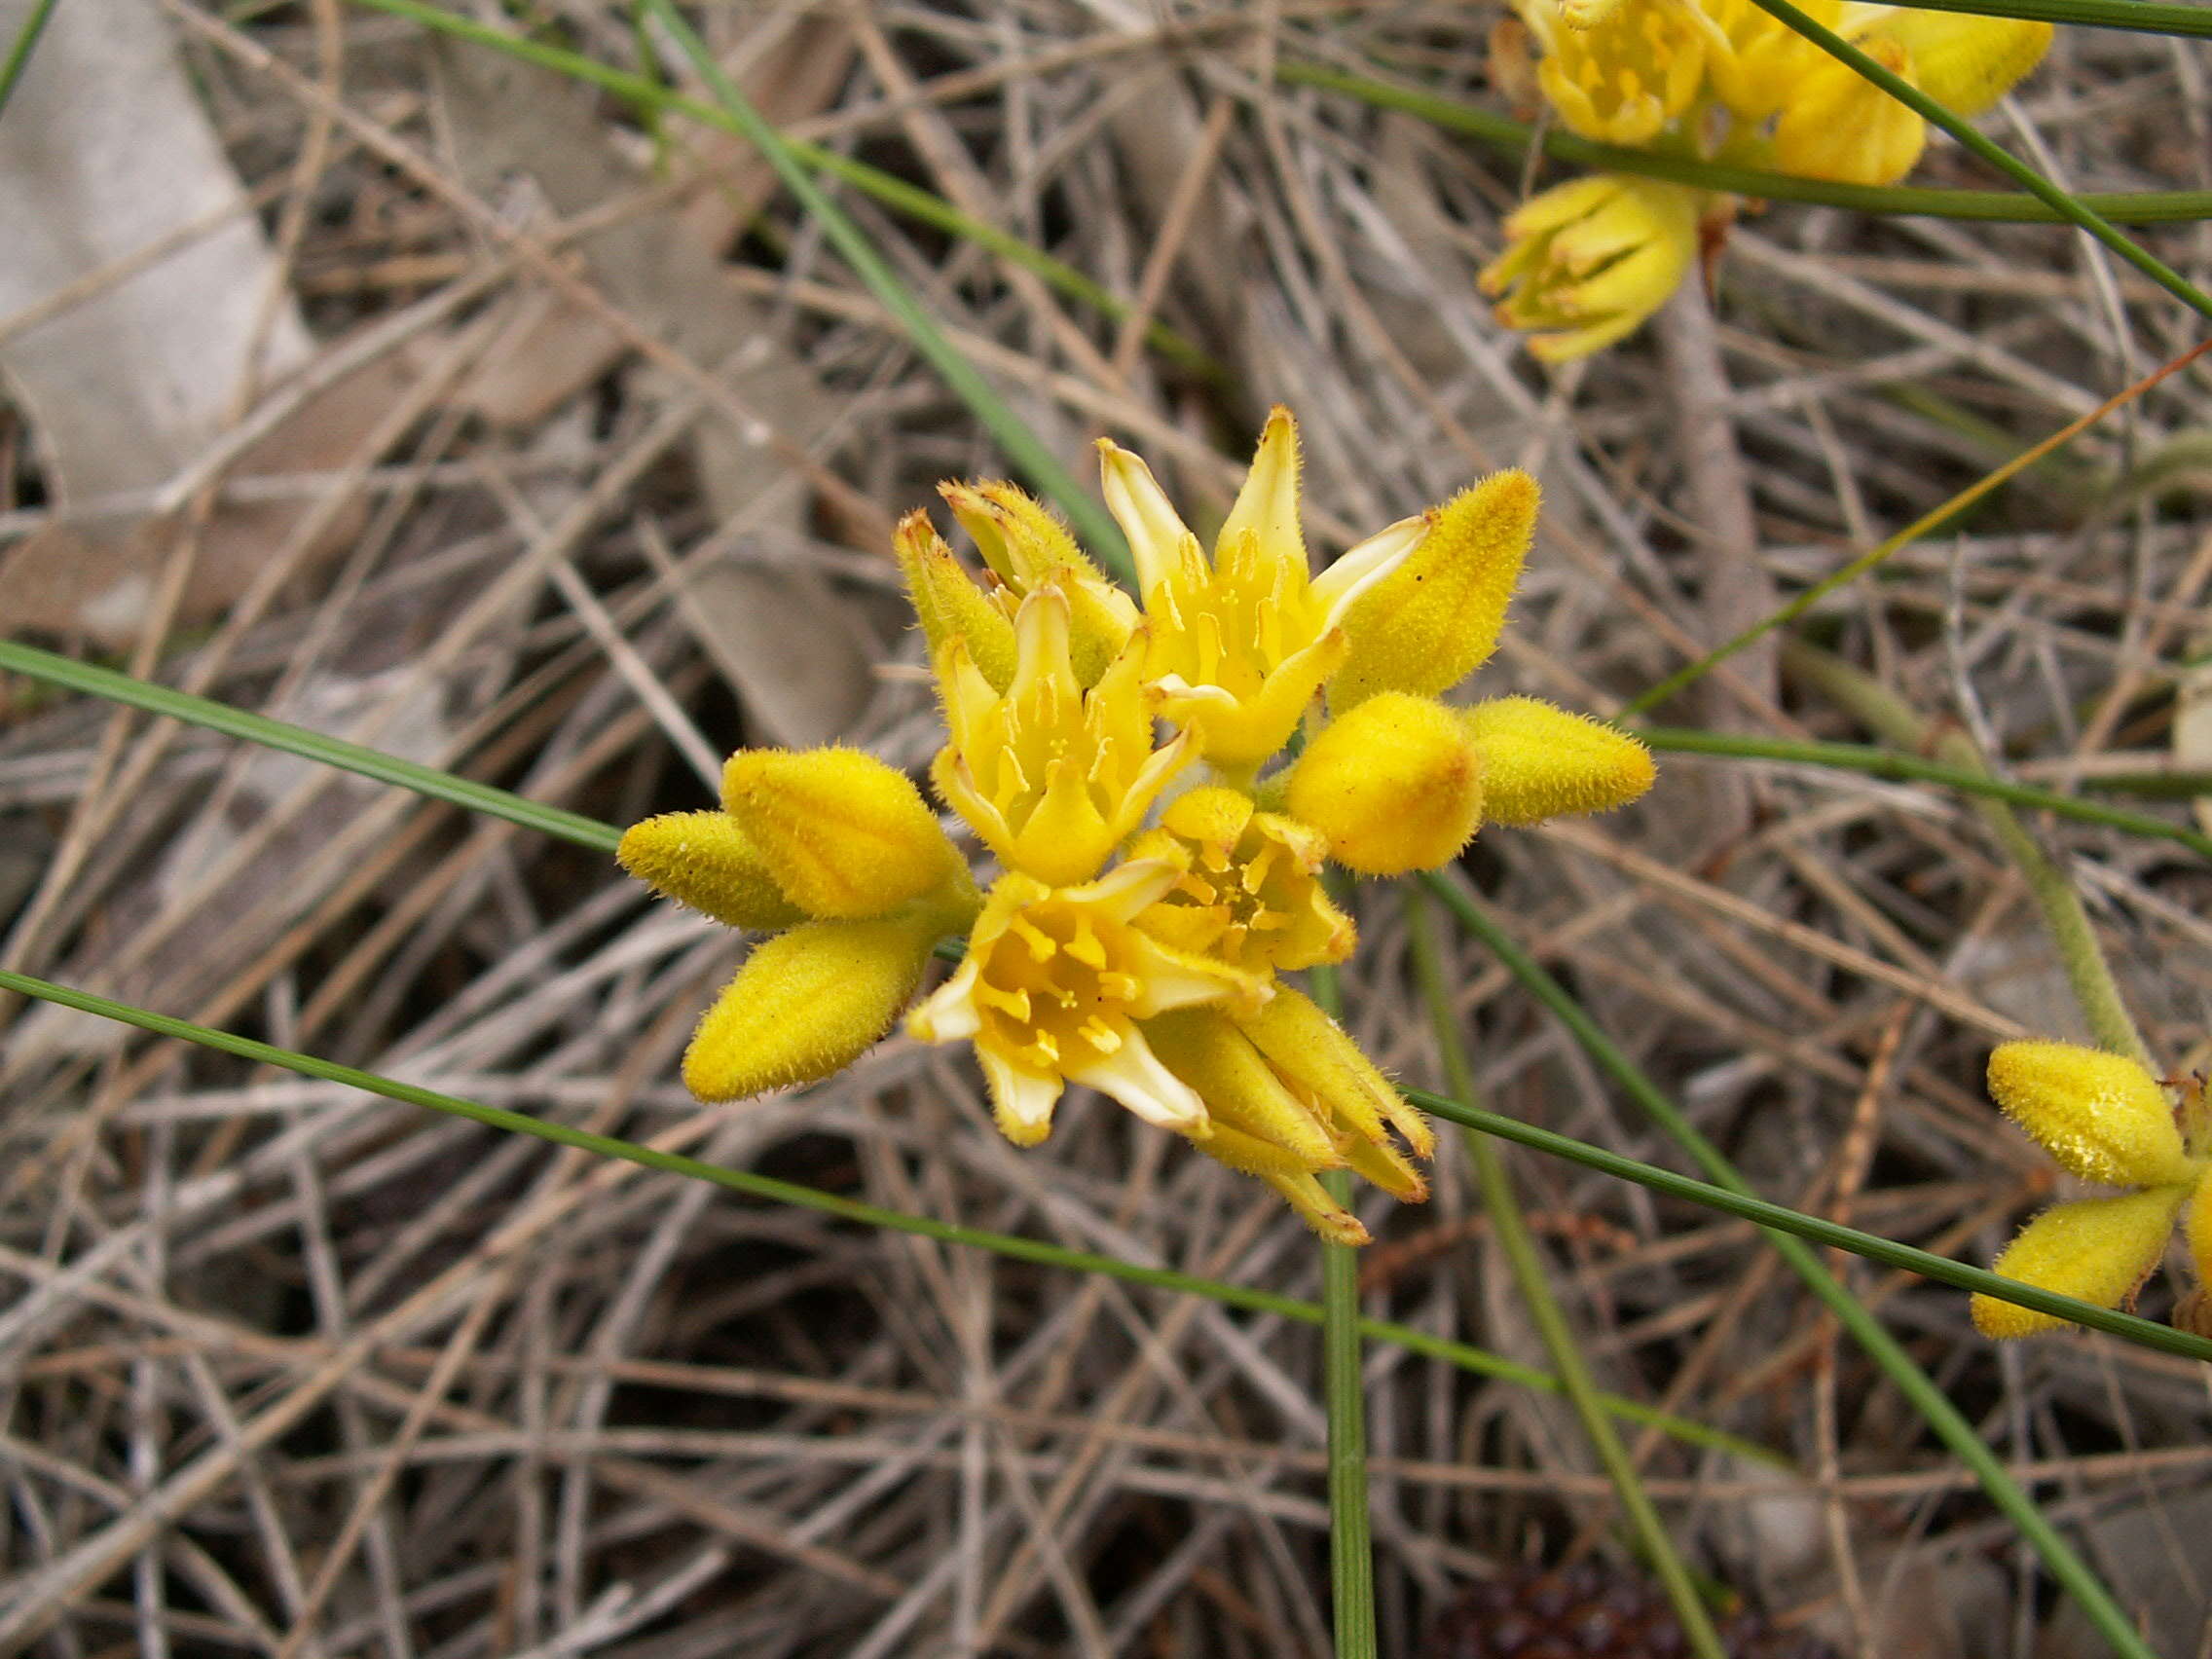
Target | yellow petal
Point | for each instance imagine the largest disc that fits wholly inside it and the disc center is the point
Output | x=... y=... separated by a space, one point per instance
x=1027 y=546
x=1315 y=1055
x=1266 y=506
x=844 y=835
x=1836 y=125
x=2098 y=1250
x=1967 y=63
x=806 y=1003
x=1395 y=784
x=948 y=605
x=1205 y=1050
x=705 y=861
x=2101 y=1116
x=1539 y=762
x=1435 y=619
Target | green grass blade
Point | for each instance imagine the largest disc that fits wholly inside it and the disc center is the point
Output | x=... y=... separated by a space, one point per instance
x=1461 y=1354
x=648 y=95
x=1343 y=1392
x=2073 y=1574
x=1029 y=455
x=2009 y=207
x=307 y=744
x=2063 y=203
x=1510 y=1228
x=2145 y=17
x=1896 y=765
x=21 y=48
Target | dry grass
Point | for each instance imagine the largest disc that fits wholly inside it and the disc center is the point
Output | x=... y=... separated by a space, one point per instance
x=295 y=1371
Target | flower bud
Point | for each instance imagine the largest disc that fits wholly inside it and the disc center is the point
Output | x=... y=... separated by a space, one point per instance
x=949 y=604
x=1027 y=548
x=2101 y=1116
x=1539 y=762
x=1395 y=784
x=808 y=1002
x=1586 y=262
x=1964 y=63
x=2098 y=1250
x=843 y=835
x=1435 y=619
x=704 y=860
x=1838 y=124
x=2197 y=1227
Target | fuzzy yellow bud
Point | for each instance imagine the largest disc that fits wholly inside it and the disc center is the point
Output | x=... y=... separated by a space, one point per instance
x=949 y=604
x=1028 y=548
x=1966 y=64
x=704 y=860
x=1435 y=619
x=1395 y=784
x=808 y=1002
x=2197 y=1227
x=1314 y=1055
x=843 y=835
x=1837 y=124
x=2101 y=1116
x=1249 y=889
x=1539 y=762
x=1587 y=260
x=2098 y=1250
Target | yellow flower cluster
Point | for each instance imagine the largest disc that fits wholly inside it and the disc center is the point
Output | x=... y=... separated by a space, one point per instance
x=1720 y=81
x=2104 y=1118
x=1127 y=764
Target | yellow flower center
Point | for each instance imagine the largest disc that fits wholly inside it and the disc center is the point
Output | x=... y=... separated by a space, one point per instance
x=1235 y=624
x=1053 y=991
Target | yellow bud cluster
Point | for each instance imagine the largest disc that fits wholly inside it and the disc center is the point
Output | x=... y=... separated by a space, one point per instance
x=1721 y=81
x=1134 y=938
x=2103 y=1118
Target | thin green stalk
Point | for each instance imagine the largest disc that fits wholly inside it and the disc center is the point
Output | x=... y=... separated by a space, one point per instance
x=2063 y=203
x=1352 y=1551
x=2087 y=974
x=1922 y=526
x=896 y=193
x=21 y=48
x=1894 y=764
x=307 y=744
x=2073 y=1574
x=1511 y=1231
x=2146 y=17
x=2006 y=207
x=1461 y=1354
x=1028 y=453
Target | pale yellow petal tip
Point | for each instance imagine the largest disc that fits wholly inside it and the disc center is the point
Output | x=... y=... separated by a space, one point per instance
x=1540 y=761
x=2102 y=1116
x=844 y=835
x=704 y=860
x=806 y=1004
x=1394 y=784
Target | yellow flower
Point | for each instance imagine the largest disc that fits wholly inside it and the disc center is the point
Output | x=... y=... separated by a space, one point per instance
x=1586 y=262
x=1027 y=548
x=1619 y=73
x=1052 y=777
x=1052 y=989
x=1248 y=885
x=2104 y=1118
x=837 y=855
x=1240 y=645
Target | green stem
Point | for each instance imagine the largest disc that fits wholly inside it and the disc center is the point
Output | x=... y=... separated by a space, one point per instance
x=2066 y=205
x=1891 y=764
x=1352 y=1551
x=2007 y=206
x=21 y=48
x=1510 y=1228
x=2087 y=974
x=1950 y=1426
x=1028 y=453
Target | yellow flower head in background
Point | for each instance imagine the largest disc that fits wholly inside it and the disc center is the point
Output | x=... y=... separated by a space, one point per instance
x=1721 y=81
x=1135 y=941
x=2105 y=1118
x=1586 y=262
